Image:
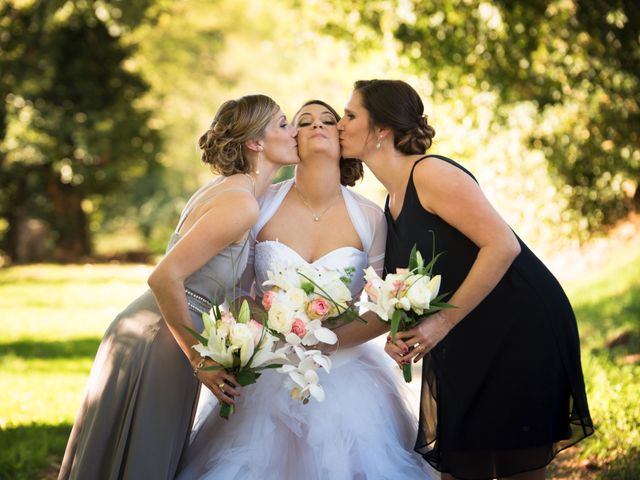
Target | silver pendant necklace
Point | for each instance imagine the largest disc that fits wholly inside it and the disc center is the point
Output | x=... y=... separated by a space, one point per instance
x=316 y=216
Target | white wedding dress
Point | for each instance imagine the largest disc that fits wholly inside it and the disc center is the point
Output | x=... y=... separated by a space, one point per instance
x=363 y=429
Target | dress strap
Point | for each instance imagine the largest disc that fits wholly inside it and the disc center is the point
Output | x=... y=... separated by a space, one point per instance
x=192 y=204
x=444 y=159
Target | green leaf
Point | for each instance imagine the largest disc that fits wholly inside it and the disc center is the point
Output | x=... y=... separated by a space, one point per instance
x=413 y=258
x=429 y=267
x=211 y=368
x=245 y=313
x=273 y=365
x=307 y=287
x=199 y=337
x=246 y=377
x=395 y=323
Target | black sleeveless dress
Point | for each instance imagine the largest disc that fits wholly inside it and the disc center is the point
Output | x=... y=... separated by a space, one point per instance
x=503 y=392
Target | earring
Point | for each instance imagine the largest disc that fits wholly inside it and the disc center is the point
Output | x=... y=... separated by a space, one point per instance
x=379 y=144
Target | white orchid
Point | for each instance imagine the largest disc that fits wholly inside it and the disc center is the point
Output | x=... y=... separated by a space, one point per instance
x=304 y=376
x=282 y=278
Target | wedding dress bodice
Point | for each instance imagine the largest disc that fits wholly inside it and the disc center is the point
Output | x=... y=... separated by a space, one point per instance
x=270 y=253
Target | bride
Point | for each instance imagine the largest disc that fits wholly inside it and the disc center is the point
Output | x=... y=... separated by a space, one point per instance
x=363 y=429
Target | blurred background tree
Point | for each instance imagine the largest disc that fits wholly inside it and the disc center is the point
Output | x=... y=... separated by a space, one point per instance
x=72 y=131
x=104 y=101
x=576 y=61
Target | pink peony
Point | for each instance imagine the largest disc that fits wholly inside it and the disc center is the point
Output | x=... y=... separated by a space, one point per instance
x=267 y=299
x=298 y=328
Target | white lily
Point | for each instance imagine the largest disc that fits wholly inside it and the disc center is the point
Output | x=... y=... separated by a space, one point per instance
x=216 y=350
x=265 y=354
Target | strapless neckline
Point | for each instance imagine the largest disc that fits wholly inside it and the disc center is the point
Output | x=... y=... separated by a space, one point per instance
x=317 y=260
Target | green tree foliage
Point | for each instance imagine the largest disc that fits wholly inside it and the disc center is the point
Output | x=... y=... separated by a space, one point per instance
x=73 y=133
x=578 y=61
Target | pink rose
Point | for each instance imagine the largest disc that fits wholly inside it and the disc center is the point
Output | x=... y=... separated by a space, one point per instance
x=401 y=271
x=298 y=328
x=256 y=330
x=267 y=299
x=227 y=318
x=371 y=292
x=318 y=308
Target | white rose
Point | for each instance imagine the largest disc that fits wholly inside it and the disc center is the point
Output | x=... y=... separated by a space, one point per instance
x=296 y=298
x=280 y=318
x=242 y=337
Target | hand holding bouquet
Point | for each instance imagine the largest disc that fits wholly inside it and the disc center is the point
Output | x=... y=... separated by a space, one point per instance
x=239 y=345
x=404 y=298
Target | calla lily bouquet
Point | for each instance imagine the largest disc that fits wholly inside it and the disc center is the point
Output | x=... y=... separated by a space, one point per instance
x=239 y=345
x=299 y=301
x=404 y=298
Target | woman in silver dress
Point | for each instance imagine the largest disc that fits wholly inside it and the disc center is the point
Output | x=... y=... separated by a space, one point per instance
x=138 y=406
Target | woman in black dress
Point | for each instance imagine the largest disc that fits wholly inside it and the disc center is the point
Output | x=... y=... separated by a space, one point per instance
x=503 y=368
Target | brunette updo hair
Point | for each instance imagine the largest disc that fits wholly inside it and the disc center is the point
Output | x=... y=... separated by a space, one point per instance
x=396 y=105
x=351 y=169
x=236 y=122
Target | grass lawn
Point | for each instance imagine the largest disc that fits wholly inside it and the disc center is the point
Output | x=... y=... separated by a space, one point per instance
x=52 y=319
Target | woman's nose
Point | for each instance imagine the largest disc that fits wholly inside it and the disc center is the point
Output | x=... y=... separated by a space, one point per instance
x=318 y=124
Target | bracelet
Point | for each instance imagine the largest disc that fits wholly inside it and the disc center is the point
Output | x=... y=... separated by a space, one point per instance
x=198 y=367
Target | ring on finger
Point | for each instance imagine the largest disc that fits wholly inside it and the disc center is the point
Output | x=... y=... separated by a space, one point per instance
x=221 y=386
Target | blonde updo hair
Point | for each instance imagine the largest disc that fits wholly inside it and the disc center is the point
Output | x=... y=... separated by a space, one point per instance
x=351 y=169
x=236 y=122
x=396 y=105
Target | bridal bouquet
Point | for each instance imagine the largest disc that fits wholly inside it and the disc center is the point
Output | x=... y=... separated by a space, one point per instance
x=240 y=345
x=299 y=301
x=404 y=298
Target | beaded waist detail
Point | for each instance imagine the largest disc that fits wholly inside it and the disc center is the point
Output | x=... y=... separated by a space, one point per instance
x=196 y=302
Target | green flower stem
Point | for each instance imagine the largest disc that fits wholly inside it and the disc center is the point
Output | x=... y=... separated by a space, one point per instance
x=406 y=372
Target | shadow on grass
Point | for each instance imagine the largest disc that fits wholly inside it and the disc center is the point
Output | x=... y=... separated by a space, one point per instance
x=34 y=349
x=32 y=451
x=615 y=313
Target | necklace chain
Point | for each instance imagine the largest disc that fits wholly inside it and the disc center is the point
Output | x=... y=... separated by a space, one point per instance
x=316 y=216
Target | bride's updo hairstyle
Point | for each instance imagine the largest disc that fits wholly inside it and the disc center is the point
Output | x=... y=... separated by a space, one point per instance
x=350 y=168
x=396 y=105
x=236 y=122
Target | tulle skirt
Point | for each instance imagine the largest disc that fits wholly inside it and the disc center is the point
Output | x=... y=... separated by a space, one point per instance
x=363 y=430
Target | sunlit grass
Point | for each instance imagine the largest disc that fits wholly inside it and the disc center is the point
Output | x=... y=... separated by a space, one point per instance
x=52 y=319
x=607 y=305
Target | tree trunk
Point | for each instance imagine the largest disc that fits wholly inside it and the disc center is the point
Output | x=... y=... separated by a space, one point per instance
x=68 y=221
x=15 y=216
